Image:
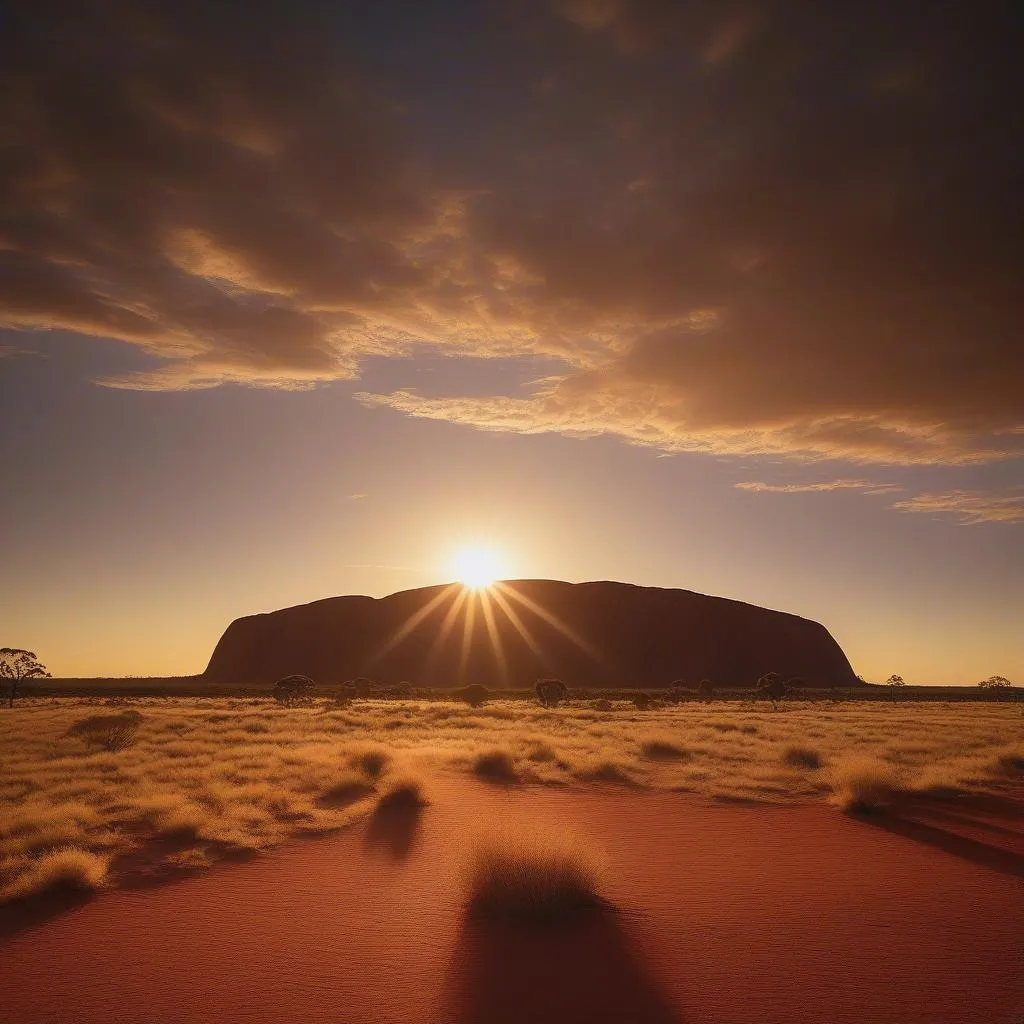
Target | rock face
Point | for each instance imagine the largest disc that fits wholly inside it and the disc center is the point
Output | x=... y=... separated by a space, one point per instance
x=586 y=634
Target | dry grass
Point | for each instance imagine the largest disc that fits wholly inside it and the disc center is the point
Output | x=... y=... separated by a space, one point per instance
x=532 y=877
x=402 y=793
x=797 y=756
x=66 y=868
x=238 y=774
x=495 y=766
x=865 y=784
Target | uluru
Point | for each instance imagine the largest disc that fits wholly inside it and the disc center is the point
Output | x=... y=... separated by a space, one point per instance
x=597 y=634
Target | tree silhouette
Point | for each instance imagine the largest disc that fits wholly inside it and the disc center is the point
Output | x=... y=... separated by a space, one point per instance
x=772 y=686
x=550 y=692
x=16 y=666
x=995 y=683
x=895 y=683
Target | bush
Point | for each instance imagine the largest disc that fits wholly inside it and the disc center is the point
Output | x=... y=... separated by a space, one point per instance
x=67 y=868
x=295 y=689
x=495 y=765
x=864 y=784
x=362 y=686
x=677 y=693
x=475 y=695
x=642 y=701
x=663 y=748
x=772 y=687
x=802 y=757
x=371 y=762
x=706 y=689
x=112 y=732
x=345 y=694
x=602 y=705
x=402 y=793
x=532 y=878
x=550 y=692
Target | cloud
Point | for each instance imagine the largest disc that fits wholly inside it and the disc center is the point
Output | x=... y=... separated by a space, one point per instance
x=867 y=486
x=738 y=230
x=971 y=507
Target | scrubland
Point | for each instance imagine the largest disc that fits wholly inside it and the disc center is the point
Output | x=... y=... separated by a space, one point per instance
x=171 y=784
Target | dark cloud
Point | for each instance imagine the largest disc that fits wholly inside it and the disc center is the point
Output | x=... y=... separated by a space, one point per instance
x=783 y=228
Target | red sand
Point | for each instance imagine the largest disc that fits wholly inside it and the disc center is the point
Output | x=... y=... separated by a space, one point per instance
x=727 y=914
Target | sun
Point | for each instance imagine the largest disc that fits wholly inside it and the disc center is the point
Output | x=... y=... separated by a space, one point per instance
x=476 y=567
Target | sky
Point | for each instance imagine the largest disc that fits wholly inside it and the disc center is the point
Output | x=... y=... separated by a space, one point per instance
x=299 y=300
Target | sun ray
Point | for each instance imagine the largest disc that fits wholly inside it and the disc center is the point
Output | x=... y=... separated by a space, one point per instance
x=468 y=624
x=412 y=622
x=492 y=629
x=551 y=620
x=446 y=627
x=513 y=616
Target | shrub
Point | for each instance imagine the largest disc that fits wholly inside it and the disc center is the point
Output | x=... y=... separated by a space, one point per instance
x=677 y=693
x=864 y=784
x=292 y=690
x=706 y=689
x=362 y=686
x=402 y=793
x=802 y=757
x=663 y=748
x=537 y=879
x=496 y=766
x=602 y=705
x=371 y=762
x=550 y=692
x=606 y=771
x=475 y=695
x=68 y=868
x=345 y=694
x=642 y=701
x=772 y=687
x=112 y=732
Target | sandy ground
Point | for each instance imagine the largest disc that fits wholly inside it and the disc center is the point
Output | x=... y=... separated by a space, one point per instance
x=726 y=914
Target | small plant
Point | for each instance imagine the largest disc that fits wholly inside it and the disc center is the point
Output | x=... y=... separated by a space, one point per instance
x=602 y=705
x=706 y=689
x=677 y=693
x=802 y=757
x=496 y=766
x=550 y=692
x=402 y=793
x=642 y=701
x=533 y=879
x=772 y=687
x=864 y=784
x=363 y=687
x=67 y=868
x=111 y=732
x=345 y=694
x=663 y=748
x=293 y=690
x=371 y=762
x=475 y=695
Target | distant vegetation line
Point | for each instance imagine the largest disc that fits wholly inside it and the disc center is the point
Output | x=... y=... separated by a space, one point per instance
x=199 y=686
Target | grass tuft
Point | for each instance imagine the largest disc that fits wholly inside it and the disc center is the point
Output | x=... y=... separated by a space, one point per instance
x=663 y=748
x=532 y=878
x=865 y=784
x=66 y=868
x=797 y=756
x=495 y=766
x=404 y=792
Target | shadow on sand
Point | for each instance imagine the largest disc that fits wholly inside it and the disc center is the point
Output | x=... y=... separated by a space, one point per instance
x=584 y=971
x=32 y=911
x=962 y=827
x=394 y=829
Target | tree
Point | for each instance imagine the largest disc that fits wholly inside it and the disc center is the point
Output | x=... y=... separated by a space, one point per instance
x=772 y=686
x=642 y=701
x=706 y=689
x=997 y=683
x=550 y=692
x=16 y=666
x=295 y=689
x=475 y=695
x=895 y=684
